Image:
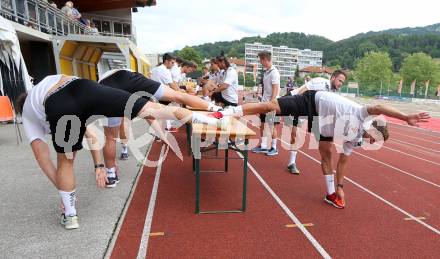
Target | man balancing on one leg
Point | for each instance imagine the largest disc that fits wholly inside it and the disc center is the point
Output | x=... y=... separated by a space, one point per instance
x=318 y=84
x=133 y=82
x=63 y=106
x=339 y=118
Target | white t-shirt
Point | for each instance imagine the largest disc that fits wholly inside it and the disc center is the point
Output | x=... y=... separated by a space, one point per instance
x=271 y=77
x=341 y=118
x=216 y=77
x=230 y=94
x=183 y=77
x=34 y=114
x=319 y=84
x=176 y=73
x=162 y=75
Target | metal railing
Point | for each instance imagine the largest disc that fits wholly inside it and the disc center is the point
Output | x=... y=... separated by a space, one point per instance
x=40 y=16
x=113 y=26
x=43 y=17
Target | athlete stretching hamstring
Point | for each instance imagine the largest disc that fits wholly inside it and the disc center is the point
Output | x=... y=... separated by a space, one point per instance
x=339 y=119
x=64 y=106
x=134 y=82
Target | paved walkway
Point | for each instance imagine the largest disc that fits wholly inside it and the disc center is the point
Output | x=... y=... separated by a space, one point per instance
x=29 y=214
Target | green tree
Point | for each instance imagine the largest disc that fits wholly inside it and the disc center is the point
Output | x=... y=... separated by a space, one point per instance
x=366 y=47
x=299 y=81
x=191 y=54
x=420 y=67
x=313 y=75
x=374 y=69
x=233 y=53
x=297 y=72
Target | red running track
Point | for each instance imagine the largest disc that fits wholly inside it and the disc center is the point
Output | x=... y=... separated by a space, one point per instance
x=367 y=227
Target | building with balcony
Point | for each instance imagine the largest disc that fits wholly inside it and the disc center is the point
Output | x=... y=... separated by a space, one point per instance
x=284 y=58
x=307 y=58
x=52 y=42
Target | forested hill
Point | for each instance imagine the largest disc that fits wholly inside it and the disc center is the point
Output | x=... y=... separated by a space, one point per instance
x=397 y=42
x=236 y=48
x=434 y=28
x=344 y=53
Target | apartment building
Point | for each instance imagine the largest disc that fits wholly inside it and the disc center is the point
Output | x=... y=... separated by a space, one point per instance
x=284 y=58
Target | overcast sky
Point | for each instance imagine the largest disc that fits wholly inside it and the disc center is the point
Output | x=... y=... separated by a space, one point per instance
x=174 y=24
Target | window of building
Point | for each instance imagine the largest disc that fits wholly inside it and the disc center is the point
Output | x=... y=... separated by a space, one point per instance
x=126 y=29
x=117 y=28
x=106 y=27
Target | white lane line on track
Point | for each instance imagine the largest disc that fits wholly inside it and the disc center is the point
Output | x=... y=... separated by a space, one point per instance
x=411 y=144
x=420 y=139
x=426 y=160
x=425 y=131
x=143 y=246
x=397 y=169
x=414 y=218
x=436 y=231
x=121 y=220
x=289 y=213
x=385 y=164
x=413 y=149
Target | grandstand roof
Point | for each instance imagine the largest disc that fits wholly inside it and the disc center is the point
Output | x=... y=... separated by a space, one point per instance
x=98 y=5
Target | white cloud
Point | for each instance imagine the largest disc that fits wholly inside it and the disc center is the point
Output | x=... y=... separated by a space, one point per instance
x=174 y=24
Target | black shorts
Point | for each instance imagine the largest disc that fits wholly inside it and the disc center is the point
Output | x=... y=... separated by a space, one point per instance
x=269 y=119
x=133 y=82
x=326 y=139
x=218 y=97
x=81 y=99
x=299 y=106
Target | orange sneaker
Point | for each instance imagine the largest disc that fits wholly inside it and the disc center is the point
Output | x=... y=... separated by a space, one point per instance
x=334 y=200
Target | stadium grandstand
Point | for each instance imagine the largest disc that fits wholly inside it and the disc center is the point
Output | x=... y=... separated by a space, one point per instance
x=81 y=38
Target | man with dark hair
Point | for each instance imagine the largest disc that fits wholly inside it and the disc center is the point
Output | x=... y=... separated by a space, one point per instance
x=63 y=106
x=270 y=91
x=210 y=84
x=162 y=73
x=317 y=84
x=133 y=82
x=226 y=92
x=339 y=119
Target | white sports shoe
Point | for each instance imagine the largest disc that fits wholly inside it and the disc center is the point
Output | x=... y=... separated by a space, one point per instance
x=69 y=222
x=224 y=123
x=227 y=111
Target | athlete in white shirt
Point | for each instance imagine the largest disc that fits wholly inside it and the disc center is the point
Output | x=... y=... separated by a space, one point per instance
x=340 y=119
x=271 y=91
x=63 y=106
x=162 y=73
x=214 y=79
x=134 y=82
x=227 y=90
x=175 y=70
x=318 y=84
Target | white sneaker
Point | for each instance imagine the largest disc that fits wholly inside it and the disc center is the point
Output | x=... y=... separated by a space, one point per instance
x=69 y=222
x=224 y=123
x=227 y=111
